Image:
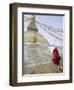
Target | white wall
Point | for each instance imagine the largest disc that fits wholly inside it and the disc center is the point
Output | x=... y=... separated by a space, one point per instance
x=4 y=46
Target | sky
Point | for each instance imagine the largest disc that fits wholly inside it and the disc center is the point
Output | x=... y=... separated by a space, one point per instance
x=55 y=21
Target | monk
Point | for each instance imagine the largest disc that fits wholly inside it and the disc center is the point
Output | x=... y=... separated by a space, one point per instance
x=56 y=56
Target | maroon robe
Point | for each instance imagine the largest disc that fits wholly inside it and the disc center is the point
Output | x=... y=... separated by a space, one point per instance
x=56 y=56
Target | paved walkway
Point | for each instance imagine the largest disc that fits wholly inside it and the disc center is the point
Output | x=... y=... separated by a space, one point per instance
x=38 y=59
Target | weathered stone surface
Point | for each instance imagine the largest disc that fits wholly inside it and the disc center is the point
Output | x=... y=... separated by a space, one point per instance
x=38 y=59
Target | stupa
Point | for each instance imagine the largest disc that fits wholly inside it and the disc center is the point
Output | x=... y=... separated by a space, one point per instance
x=32 y=35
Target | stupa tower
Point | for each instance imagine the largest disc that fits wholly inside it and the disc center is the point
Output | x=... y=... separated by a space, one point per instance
x=32 y=26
